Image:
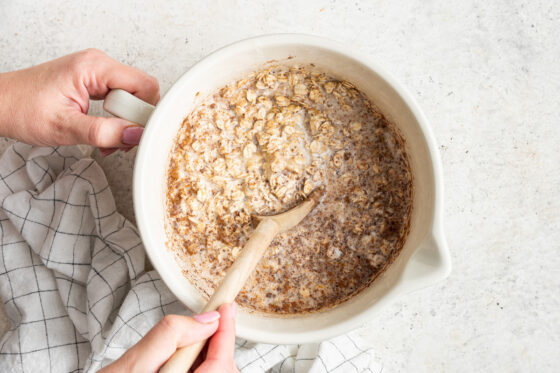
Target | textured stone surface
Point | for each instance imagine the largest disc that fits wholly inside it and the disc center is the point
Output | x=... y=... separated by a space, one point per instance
x=487 y=75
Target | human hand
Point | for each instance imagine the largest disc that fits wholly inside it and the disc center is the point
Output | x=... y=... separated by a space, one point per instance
x=175 y=331
x=47 y=104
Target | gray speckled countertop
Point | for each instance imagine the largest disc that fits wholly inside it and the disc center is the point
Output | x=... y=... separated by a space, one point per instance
x=487 y=75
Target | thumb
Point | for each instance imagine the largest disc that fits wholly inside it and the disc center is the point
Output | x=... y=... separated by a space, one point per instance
x=172 y=332
x=104 y=132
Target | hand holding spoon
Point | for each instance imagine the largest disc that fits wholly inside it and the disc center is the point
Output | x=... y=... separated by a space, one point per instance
x=241 y=269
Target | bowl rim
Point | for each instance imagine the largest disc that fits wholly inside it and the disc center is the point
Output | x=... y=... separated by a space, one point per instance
x=246 y=332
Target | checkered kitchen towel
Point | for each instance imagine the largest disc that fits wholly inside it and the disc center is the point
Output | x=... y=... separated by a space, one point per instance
x=72 y=277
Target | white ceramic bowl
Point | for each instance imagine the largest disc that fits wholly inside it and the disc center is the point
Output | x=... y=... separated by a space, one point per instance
x=424 y=259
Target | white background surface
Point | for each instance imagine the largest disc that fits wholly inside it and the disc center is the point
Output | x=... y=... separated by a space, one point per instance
x=487 y=74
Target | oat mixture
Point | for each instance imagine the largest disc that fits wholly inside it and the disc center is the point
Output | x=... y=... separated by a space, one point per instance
x=261 y=145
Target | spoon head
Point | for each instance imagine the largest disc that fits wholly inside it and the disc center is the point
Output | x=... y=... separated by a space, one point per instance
x=295 y=215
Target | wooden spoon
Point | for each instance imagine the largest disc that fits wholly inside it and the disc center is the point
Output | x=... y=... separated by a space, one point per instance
x=241 y=269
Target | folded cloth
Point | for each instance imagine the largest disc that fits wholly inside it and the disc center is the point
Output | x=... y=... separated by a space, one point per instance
x=73 y=283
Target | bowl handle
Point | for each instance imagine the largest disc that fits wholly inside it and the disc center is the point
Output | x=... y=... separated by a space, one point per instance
x=124 y=105
x=429 y=264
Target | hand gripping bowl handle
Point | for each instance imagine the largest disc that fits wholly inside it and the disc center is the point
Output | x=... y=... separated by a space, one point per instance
x=124 y=105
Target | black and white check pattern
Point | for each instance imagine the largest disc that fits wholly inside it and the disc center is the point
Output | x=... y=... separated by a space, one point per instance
x=73 y=283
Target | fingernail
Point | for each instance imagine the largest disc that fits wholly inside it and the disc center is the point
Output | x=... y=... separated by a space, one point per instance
x=131 y=135
x=207 y=317
x=106 y=152
x=234 y=307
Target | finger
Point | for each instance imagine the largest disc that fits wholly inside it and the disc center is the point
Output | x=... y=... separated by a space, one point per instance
x=102 y=73
x=172 y=332
x=102 y=132
x=221 y=346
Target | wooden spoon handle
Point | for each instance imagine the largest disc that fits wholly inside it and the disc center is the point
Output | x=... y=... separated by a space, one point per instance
x=233 y=281
x=182 y=360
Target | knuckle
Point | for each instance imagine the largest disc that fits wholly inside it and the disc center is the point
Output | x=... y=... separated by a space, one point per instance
x=170 y=323
x=91 y=53
x=94 y=134
x=85 y=57
x=152 y=85
x=57 y=131
x=153 y=82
